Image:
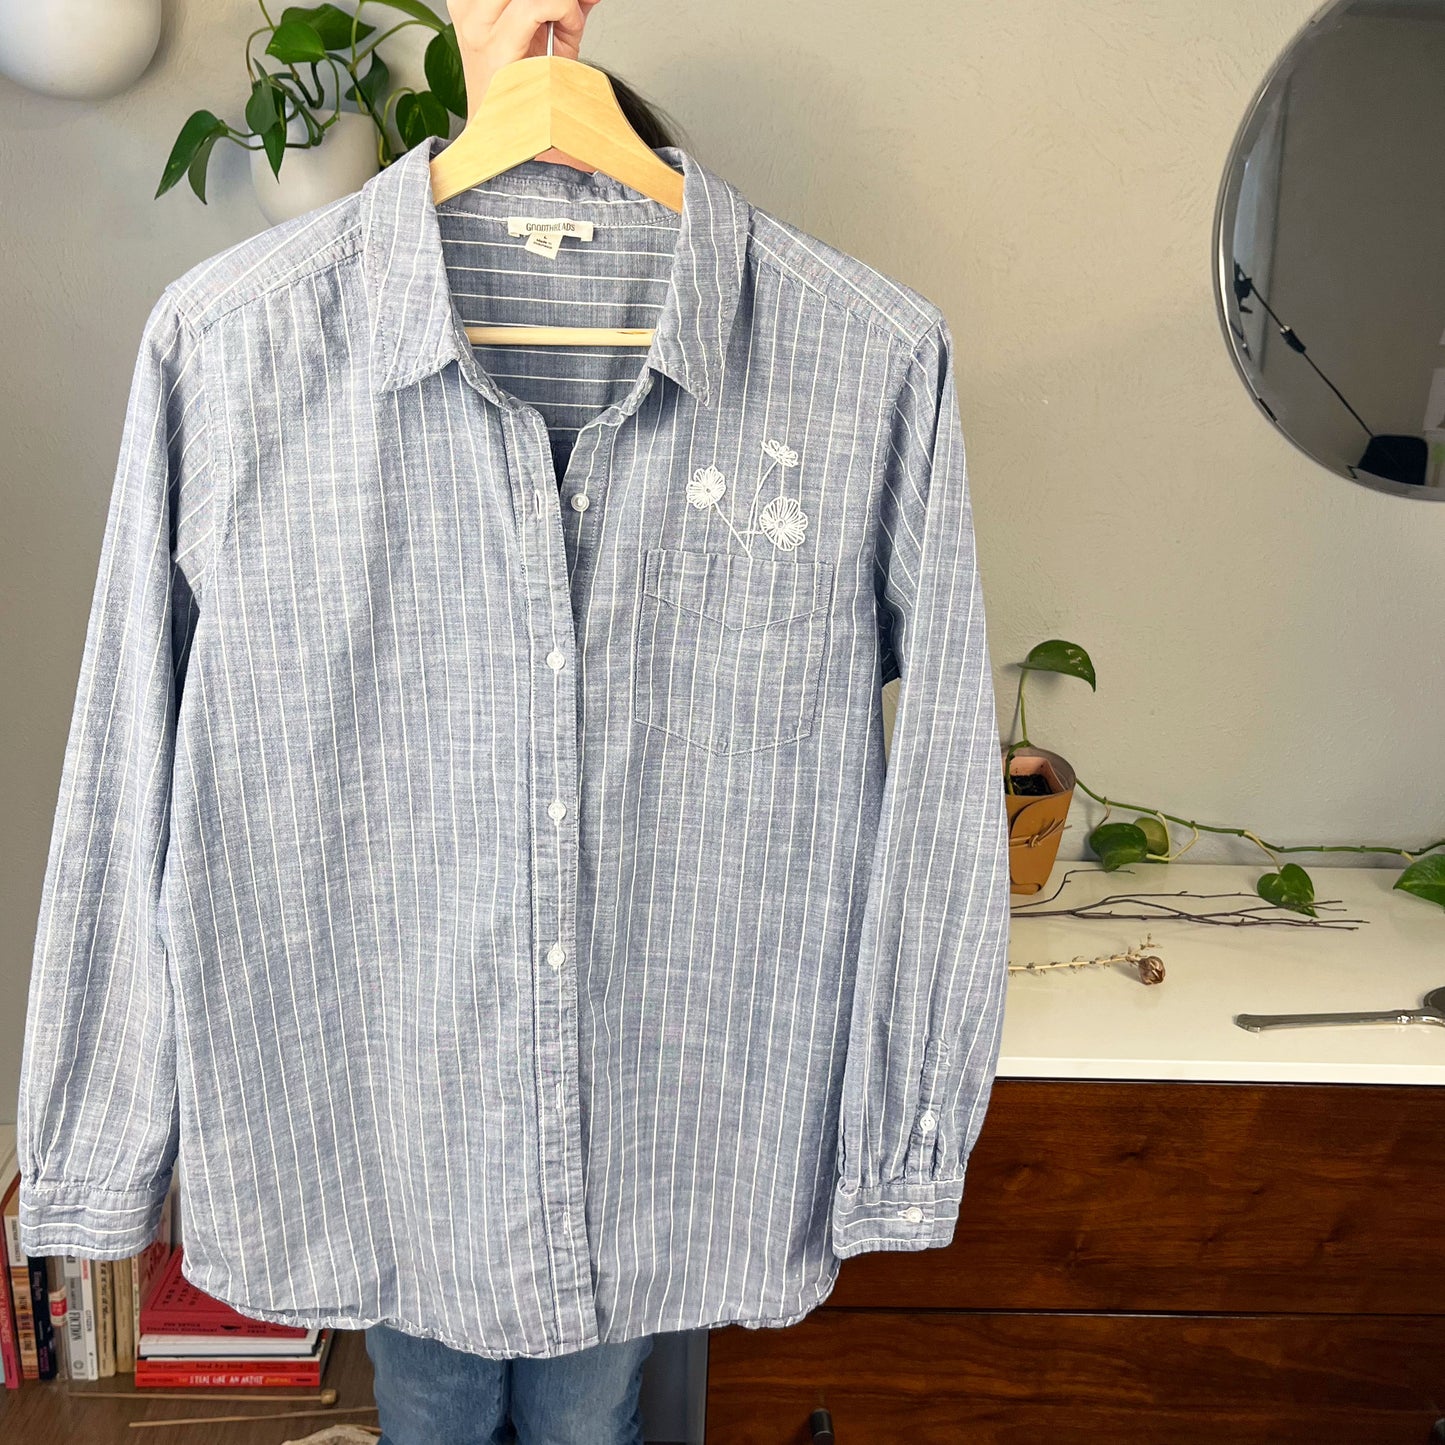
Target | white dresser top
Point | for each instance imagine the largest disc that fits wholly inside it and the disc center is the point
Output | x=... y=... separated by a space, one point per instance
x=1102 y=1023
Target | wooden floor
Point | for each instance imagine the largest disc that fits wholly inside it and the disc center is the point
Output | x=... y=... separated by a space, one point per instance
x=52 y=1413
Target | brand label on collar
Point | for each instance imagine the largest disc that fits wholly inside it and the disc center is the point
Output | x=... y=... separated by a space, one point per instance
x=548 y=226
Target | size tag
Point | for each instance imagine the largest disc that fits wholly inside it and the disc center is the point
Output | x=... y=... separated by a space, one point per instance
x=543 y=226
x=544 y=243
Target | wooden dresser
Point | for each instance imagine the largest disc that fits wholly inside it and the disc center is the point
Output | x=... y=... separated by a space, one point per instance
x=1173 y=1230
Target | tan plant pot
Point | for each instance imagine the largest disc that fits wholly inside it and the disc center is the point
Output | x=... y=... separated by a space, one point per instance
x=1036 y=824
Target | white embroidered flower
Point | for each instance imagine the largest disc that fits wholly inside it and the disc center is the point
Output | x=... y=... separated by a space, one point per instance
x=784 y=456
x=706 y=487
x=784 y=523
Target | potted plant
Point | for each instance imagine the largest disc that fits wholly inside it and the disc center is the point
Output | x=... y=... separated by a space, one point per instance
x=315 y=61
x=1038 y=784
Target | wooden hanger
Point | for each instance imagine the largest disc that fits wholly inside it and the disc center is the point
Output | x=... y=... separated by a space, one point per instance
x=529 y=107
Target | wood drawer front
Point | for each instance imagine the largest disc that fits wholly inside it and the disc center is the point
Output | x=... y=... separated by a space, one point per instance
x=1180 y=1196
x=893 y=1378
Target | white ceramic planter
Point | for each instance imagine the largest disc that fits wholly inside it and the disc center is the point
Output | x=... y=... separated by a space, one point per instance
x=78 y=49
x=343 y=162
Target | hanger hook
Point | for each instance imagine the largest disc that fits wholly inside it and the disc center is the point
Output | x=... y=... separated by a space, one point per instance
x=550 y=28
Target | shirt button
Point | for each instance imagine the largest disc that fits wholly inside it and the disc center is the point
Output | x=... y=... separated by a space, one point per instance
x=926 y=1120
x=556 y=954
x=913 y=1214
x=556 y=810
x=556 y=660
x=580 y=501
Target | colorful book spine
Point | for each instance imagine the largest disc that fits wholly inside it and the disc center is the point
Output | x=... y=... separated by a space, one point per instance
x=105 y=1317
x=122 y=1278
x=75 y=1317
x=17 y=1272
x=9 y=1336
x=138 y=1283
x=36 y=1272
x=9 y=1207
x=164 y=1375
x=18 y=1279
x=171 y=1374
x=87 y=1314
x=59 y=1314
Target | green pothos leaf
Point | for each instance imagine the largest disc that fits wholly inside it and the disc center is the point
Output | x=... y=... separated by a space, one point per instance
x=1155 y=834
x=196 y=171
x=373 y=84
x=1118 y=844
x=333 y=25
x=1291 y=888
x=1425 y=878
x=444 y=71
x=200 y=127
x=417 y=11
x=420 y=114
x=294 y=42
x=1056 y=655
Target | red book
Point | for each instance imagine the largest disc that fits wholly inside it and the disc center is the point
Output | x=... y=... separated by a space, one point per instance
x=171 y=1374
x=9 y=1329
x=174 y=1306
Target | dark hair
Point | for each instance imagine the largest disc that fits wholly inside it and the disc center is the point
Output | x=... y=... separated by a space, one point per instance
x=651 y=123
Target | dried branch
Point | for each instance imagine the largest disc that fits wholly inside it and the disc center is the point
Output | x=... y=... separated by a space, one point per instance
x=1256 y=914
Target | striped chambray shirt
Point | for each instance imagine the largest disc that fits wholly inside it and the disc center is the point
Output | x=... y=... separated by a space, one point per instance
x=475 y=861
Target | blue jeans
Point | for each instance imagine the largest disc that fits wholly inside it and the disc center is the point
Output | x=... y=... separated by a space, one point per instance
x=430 y=1394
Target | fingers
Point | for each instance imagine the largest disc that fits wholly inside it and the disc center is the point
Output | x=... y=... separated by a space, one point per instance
x=520 y=29
x=568 y=37
x=492 y=33
x=475 y=18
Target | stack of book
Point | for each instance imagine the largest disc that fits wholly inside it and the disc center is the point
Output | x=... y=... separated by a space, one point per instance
x=189 y=1338
x=64 y=1318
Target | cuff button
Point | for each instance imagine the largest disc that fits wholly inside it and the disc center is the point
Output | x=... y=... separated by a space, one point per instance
x=913 y=1214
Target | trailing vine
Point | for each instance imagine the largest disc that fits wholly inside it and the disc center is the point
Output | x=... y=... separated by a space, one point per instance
x=1146 y=838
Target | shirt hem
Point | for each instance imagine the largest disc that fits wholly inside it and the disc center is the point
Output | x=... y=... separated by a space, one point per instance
x=331 y=1319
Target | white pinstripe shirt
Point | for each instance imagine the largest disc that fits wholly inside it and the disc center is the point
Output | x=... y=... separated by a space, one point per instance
x=475 y=857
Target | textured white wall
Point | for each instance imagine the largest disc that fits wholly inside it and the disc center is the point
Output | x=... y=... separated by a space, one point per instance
x=1267 y=636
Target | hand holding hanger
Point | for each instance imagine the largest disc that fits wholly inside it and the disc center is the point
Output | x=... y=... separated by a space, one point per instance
x=493 y=33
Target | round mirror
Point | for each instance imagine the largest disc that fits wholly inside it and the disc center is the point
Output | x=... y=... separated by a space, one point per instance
x=1330 y=244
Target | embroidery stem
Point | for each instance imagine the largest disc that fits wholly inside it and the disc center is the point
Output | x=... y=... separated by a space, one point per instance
x=752 y=526
x=742 y=541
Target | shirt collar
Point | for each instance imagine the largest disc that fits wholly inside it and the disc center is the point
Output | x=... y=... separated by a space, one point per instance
x=414 y=328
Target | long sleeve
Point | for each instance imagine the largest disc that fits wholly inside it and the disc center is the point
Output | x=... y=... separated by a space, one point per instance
x=927 y=1005
x=97 y=1119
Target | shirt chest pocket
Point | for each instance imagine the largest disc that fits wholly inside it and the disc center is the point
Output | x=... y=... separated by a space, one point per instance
x=729 y=648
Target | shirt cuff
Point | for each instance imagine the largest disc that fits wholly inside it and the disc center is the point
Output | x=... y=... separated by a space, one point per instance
x=66 y=1217
x=900 y=1214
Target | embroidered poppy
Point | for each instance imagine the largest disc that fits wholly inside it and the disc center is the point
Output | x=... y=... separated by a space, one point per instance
x=784 y=523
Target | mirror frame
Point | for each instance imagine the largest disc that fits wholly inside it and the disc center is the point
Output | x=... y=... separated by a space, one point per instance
x=1226 y=209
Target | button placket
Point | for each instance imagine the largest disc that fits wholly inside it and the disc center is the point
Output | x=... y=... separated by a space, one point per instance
x=554 y=759
x=593 y=443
